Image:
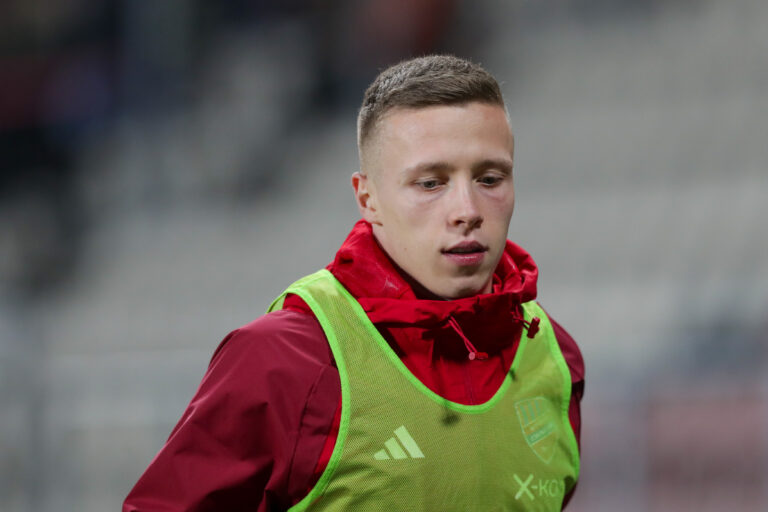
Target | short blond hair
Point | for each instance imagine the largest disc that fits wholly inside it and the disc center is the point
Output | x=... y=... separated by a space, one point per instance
x=423 y=82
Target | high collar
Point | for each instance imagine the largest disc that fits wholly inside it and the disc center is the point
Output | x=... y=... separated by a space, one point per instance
x=366 y=271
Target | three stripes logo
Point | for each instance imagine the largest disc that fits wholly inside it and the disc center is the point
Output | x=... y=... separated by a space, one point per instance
x=395 y=450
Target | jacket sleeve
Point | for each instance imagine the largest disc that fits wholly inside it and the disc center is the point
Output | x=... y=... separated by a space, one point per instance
x=575 y=362
x=251 y=435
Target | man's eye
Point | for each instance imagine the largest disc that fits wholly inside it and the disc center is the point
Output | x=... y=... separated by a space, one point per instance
x=429 y=184
x=490 y=180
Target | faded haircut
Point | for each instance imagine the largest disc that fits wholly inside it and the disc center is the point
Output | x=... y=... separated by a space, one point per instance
x=423 y=82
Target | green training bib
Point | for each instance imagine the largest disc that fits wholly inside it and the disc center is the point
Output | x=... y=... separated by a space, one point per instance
x=402 y=447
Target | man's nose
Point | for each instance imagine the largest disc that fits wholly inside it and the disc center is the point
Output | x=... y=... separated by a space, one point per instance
x=464 y=208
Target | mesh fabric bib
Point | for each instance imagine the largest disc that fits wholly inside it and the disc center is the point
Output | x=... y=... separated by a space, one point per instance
x=401 y=447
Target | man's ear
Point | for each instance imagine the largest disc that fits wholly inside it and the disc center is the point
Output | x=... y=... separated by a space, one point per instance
x=365 y=195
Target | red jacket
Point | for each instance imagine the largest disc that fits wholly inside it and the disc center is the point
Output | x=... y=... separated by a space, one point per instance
x=261 y=427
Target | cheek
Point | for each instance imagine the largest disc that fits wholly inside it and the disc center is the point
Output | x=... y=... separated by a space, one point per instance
x=505 y=199
x=500 y=207
x=498 y=215
x=413 y=211
x=418 y=227
x=508 y=208
x=406 y=222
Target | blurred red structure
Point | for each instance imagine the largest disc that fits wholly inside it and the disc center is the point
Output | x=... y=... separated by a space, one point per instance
x=707 y=450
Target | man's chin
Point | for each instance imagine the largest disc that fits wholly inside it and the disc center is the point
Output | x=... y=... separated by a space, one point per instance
x=463 y=287
x=449 y=285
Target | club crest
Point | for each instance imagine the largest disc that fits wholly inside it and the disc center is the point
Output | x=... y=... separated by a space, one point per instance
x=537 y=419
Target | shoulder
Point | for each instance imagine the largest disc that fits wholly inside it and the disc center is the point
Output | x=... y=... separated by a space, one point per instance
x=570 y=350
x=283 y=345
x=233 y=446
x=275 y=338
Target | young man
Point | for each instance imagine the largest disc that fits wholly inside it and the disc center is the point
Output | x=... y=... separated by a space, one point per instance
x=415 y=372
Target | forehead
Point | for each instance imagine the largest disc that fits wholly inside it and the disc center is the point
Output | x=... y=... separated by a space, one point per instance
x=445 y=133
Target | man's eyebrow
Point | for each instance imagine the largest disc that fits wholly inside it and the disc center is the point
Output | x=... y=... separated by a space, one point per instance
x=502 y=164
x=427 y=167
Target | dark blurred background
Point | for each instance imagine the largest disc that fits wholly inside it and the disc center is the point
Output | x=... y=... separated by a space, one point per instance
x=166 y=168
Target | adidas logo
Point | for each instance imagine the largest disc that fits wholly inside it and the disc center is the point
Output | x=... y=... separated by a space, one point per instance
x=394 y=450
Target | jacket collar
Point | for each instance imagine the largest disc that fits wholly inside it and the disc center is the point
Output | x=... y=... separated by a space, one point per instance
x=366 y=271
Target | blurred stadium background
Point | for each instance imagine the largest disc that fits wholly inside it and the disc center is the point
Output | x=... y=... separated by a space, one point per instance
x=166 y=168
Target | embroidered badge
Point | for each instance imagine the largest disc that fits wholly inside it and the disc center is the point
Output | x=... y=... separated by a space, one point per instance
x=537 y=420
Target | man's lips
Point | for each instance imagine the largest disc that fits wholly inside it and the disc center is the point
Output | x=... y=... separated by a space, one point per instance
x=469 y=246
x=466 y=253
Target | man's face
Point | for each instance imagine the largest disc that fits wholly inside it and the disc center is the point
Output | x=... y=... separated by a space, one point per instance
x=437 y=188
